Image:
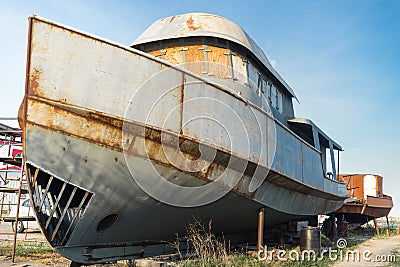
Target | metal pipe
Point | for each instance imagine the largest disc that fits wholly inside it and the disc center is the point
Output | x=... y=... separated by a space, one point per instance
x=338 y=164
x=388 y=227
x=376 y=227
x=260 y=236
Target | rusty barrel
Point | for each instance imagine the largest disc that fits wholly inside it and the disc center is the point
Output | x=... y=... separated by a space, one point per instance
x=342 y=228
x=310 y=238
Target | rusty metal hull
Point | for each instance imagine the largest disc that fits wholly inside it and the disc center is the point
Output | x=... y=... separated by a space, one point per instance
x=151 y=224
x=367 y=200
x=84 y=141
x=372 y=208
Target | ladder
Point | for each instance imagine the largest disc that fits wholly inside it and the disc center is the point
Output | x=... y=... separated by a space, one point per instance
x=13 y=181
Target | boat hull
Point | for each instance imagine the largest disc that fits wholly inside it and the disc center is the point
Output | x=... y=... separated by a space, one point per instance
x=145 y=226
x=374 y=207
x=108 y=128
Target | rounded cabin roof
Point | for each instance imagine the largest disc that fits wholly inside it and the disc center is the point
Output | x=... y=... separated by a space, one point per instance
x=207 y=25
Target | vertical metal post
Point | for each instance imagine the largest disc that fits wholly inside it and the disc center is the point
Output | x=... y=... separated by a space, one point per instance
x=260 y=232
x=338 y=164
x=376 y=227
x=333 y=163
x=230 y=59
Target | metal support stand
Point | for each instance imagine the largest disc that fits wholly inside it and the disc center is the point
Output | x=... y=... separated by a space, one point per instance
x=260 y=235
x=376 y=227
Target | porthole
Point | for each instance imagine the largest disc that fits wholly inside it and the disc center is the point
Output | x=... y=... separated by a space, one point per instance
x=107 y=222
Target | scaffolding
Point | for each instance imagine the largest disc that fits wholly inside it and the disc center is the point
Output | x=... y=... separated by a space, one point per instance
x=13 y=184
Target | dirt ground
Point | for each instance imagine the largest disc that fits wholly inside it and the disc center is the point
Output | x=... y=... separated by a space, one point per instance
x=33 y=235
x=374 y=252
x=37 y=260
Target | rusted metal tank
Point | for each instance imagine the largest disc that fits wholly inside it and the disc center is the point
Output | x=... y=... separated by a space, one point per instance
x=124 y=148
x=310 y=239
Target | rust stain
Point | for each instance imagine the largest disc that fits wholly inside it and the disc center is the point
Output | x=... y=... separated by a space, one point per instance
x=190 y=23
x=172 y=19
x=191 y=148
x=71 y=123
x=21 y=115
x=103 y=132
x=211 y=170
x=107 y=120
x=34 y=82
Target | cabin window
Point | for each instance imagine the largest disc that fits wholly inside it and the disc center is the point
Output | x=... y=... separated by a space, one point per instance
x=253 y=75
x=247 y=72
x=264 y=93
x=273 y=96
x=269 y=89
x=239 y=69
x=330 y=162
x=230 y=64
x=279 y=104
x=264 y=88
x=259 y=85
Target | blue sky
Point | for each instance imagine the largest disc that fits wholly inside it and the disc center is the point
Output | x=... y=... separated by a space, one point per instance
x=342 y=58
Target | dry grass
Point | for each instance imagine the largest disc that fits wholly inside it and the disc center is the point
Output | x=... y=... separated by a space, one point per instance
x=34 y=252
x=207 y=249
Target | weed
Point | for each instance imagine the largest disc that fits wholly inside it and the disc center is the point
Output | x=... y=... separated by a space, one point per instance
x=209 y=251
